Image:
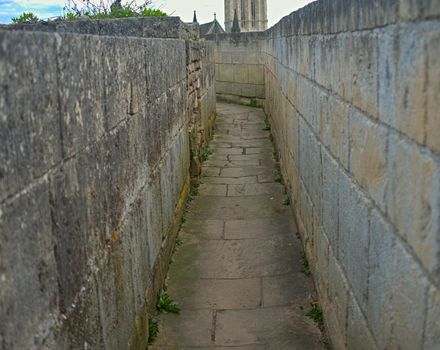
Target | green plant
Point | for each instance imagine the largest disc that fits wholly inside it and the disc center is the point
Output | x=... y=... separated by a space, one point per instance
x=278 y=174
x=253 y=103
x=305 y=264
x=315 y=312
x=194 y=191
x=179 y=241
x=206 y=153
x=184 y=218
x=25 y=17
x=166 y=304
x=153 y=329
x=267 y=126
x=286 y=201
x=105 y=9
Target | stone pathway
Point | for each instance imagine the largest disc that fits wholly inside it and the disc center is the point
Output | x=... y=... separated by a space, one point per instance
x=237 y=277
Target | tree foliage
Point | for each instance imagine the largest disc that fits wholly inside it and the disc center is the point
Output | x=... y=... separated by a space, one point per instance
x=26 y=17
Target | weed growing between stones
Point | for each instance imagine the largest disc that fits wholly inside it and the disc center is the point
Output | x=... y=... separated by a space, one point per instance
x=164 y=305
x=153 y=329
x=206 y=153
x=267 y=126
x=305 y=265
x=286 y=201
x=315 y=313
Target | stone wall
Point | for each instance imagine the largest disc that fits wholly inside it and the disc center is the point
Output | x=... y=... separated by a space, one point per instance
x=94 y=172
x=353 y=91
x=239 y=63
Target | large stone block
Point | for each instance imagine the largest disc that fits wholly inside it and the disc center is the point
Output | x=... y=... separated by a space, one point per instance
x=368 y=156
x=225 y=72
x=256 y=74
x=330 y=197
x=241 y=73
x=413 y=201
x=334 y=129
x=418 y=9
x=81 y=90
x=433 y=91
x=29 y=109
x=353 y=237
x=364 y=72
x=432 y=331
x=28 y=271
x=310 y=163
x=338 y=291
x=358 y=334
x=381 y=278
x=410 y=287
x=412 y=82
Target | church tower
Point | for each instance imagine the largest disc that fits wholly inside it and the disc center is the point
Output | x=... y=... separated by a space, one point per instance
x=252 y=15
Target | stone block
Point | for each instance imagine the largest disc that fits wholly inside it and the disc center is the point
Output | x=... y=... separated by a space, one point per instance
x=353 y=237
x=388 y=76
x=310 y=163
x=364 y=73
x=381 y=278
x=433 y=92
x=334 y=129
x=368 y=156
x=338 y=295
x=358 y=334
x=432 y=331
x=413 y=201
x=28 y=271
x=241 y=73
x=29 y=109
x=256 y=74
x=418 y=9
x=330 y=197
x=412 y=82
x=81 y=89
x=248 y=90
x=410 y=287
x=225 y=72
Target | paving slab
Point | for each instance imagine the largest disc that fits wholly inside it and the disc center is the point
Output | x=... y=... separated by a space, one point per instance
x=237 y=276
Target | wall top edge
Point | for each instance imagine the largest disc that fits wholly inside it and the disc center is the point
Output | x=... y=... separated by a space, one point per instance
x=142 y=27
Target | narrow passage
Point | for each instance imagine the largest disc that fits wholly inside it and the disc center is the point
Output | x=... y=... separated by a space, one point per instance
x=237 y=277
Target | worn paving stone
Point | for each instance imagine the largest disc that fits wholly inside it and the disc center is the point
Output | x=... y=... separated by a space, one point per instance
x=245 y=171
x=212 y=190
x=237 y=276
x=231 y=180
x=260 y=228
x=285 y=327
x=255 y=189
x=204 y=229
x=218 y=294
x=291 y=289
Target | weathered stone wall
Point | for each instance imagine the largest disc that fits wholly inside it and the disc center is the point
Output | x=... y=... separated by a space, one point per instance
x=353 y=91
x=239 y=66
x=94 y=171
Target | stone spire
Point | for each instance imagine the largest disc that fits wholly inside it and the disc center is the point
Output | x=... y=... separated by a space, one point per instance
x=195 y=17
x=235 y=25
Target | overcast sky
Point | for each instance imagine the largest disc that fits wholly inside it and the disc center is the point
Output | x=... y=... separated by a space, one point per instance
x=183 y=8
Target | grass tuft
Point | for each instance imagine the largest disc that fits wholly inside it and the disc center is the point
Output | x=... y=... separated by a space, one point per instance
x=153 y=329
x=305 y=265
x=315 y=313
